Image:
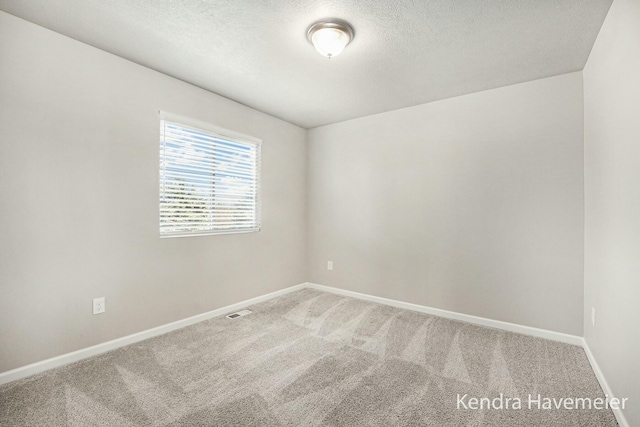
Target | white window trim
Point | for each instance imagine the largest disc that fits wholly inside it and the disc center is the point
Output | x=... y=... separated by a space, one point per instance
x=225 y=133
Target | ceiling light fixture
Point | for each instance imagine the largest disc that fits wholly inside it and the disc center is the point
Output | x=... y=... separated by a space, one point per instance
x=330 y=36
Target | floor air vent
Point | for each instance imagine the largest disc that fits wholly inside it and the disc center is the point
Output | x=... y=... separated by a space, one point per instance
x=238 y=314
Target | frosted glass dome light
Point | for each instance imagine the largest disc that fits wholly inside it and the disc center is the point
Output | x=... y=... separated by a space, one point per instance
x=330 y=36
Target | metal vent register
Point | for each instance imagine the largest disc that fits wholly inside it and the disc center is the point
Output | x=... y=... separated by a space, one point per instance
x=238 y=314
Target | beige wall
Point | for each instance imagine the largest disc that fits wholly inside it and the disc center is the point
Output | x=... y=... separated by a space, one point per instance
x=612 y=202
x=472 y=204
x=79 y=200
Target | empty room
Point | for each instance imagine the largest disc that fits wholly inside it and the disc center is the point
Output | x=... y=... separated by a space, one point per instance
x=320 y=213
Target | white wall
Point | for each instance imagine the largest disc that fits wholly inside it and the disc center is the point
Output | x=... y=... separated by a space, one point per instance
x=612 y=202
x=472 y=204
x=79 y=200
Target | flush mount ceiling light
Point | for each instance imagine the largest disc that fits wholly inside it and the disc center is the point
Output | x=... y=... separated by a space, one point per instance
x=330 y=36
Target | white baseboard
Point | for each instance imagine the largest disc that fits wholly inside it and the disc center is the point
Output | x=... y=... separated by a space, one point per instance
x=512 y=327
x=65 y=359
x=622 y=420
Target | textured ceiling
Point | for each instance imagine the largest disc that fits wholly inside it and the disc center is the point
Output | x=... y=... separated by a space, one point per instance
x=405 y=52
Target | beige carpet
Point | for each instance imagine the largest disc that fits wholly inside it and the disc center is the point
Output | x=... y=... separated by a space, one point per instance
x=312 y=359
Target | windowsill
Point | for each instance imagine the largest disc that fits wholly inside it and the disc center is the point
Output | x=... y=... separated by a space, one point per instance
x=210 y=233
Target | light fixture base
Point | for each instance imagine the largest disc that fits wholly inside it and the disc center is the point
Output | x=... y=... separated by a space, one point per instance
x=340 y=32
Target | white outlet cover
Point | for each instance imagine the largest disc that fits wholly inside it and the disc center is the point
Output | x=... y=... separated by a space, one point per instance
x=329 y=265
x=99 y=305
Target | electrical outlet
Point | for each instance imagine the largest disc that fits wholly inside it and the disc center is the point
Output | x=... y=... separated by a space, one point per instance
x=99 y=305
x=593 y=316
x=329 y=265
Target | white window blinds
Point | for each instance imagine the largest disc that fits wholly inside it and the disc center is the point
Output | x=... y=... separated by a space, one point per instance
x=208 y=179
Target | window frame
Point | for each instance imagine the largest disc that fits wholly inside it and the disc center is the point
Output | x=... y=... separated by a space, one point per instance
x=222 y=133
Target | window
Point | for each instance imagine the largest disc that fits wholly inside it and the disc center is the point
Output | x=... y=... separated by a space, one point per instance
x=208 y=179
